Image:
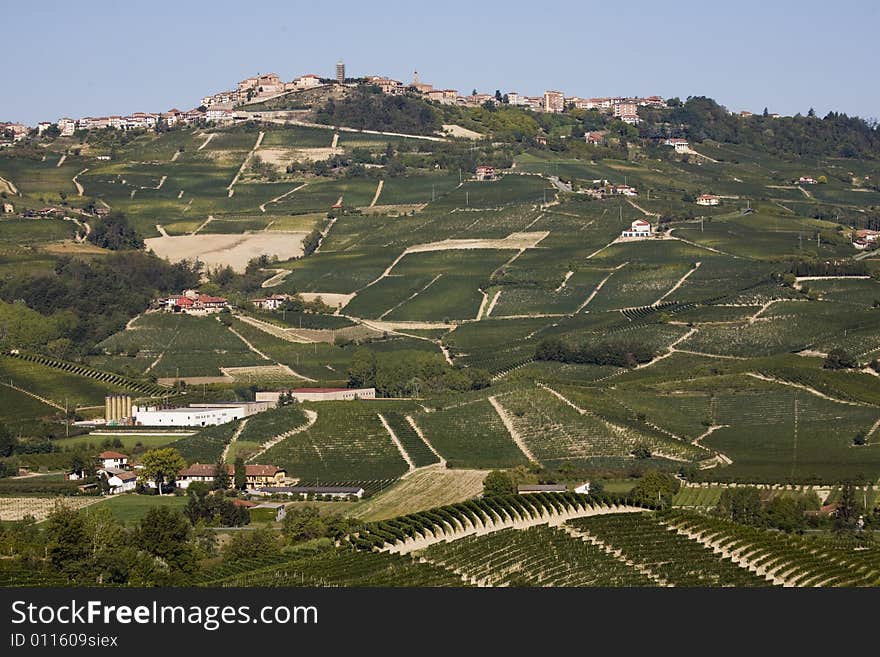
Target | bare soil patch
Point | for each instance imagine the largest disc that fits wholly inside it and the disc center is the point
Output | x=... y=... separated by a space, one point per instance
x=234 y=250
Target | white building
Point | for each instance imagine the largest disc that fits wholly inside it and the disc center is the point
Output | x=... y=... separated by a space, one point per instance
x=196 y=415
x=309 y=81
x=583 y=489
x=680 y=145
x=638 y=228
x=113 y=460
x=66 y=126
x=122 y=481
x=708 y=199
x=272 y=302
x=318 y=394
x=315 y=491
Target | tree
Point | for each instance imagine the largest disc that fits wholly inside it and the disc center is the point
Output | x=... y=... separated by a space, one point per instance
x=839 y=359
x=114 y=232
x=499 y=482
x=303 y=524
x=251 y=544
x=848 y=510
x=67 y=545
x=741 y=505
x=362 y=371
x=221 y=474
x=8 y=442
x=240 y=474
x=655 y=489
x=164 y=533
x=161 y=466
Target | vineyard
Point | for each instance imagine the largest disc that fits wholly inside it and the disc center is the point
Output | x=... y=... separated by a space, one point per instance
x=539 y=556
x=348 y=441
x=788 y=560
x=16 y=508
x=207 y=445
x=669 y=556
x=108 y=378
x=477 y=516
x=470 y=435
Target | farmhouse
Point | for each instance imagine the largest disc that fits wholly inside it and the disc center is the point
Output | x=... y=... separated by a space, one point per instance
x=583 y=489
x=255 y=475
x=680 y=145
x=485 y=173
x=196 y=415
x=867 y=235
x=318 y=394
x=623 y=190
x=305 y=491
x=596 y=137
x=8 y=208
x=540 y=488
x=638 y=228
x=113 y=460
x=272 y=302
x=192 y=302
x=806 y=180
x=708 y=199
x=121 y=481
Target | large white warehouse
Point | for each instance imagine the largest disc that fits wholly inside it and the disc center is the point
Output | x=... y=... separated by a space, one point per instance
x=196 y=415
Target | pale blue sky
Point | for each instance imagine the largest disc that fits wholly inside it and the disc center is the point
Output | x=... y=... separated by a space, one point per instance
x=98 y=57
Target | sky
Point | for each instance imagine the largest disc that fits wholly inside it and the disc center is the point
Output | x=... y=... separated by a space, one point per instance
x=97 y=58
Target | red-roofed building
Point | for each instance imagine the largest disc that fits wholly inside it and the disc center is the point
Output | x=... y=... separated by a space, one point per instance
x=485 y=172
x=708 y=199
x=318 y=394
x=113 y=460
x=255 y=474
x=639 y=228
x=195 y=303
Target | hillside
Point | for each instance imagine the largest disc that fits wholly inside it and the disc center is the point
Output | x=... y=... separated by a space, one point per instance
x=528 y=330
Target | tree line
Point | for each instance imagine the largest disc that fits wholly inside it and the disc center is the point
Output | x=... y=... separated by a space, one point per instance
x=618 y=354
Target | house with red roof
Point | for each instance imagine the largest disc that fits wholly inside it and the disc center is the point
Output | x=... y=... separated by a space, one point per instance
x=638 y=228
x=317 y=394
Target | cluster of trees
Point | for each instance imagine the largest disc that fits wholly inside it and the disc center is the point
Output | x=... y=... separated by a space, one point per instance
x=203 y=504
x=783 y=512
x=619 y=354
x=655 y=489
x=403 y=373
x=835 y=135
x=307 y=523
x=84 y=301
x=815 y=267
x=91 y=547
x=367 y=108
x=840 y=359
x=166 y=548
x=115 y=233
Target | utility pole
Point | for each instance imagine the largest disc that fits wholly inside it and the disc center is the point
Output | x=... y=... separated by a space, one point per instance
x=432 y=192
x=467 y=198
x=701 y=224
